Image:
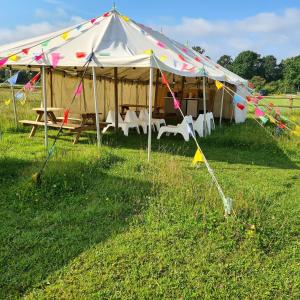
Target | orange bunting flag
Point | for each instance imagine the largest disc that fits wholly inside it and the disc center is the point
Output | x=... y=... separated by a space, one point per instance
x=198 y=157
x=65 y=36
x=164 y=79
x=219 y=84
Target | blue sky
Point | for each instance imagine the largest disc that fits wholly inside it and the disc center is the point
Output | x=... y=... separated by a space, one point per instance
x=265 y=26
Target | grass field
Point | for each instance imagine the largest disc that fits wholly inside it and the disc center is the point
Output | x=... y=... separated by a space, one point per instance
x=108 y=225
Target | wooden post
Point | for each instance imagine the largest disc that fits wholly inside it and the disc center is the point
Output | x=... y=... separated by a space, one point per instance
x=116 y=100
x=96 y=107
x=150 y=113
x=204 y=107
x=45 y=108
x=222 y=102
x=156 y=88
x=13 y=98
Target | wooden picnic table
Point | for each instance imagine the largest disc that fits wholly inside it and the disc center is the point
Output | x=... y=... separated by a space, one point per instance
x=87 y=121
x=125 y=107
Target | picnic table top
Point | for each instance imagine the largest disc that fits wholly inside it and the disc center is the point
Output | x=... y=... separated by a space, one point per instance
x=49 y=109
x=137 y=105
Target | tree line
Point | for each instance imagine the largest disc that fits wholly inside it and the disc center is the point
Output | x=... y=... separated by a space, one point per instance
x=265 y=72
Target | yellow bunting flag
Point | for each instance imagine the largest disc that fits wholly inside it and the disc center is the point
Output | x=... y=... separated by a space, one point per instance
x=296 y=132
x=7 y=102
x=23 y=102
x=148 y=52
x=219 y=84
x=198 y=157
x=125 y=18
x=65 y=36
x=14 y=57
x=163 y=58
x=272 y=120
x=293 y=118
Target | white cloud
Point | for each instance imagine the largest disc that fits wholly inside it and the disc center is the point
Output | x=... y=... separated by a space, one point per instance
x=266 y=33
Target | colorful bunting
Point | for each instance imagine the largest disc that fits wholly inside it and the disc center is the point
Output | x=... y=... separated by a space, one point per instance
x=66 y=116
x=187 y=67
x=65 y=36
x=7 y=102
x=55 y=57
x=125 y=18
x=36 y=78
x=13 y=80
x=38 y=57
x=258 y=112
x=3 y=61
x=251 y=85
x=272 y=120
x=29 y=87
x=20 y=95
x=181 y=57
x=237 y=99
x=161 y=44
x=80 y=54
x=176 y=103
x=79 y=27
x=281 y=125
x=164 y=79
x=198 y=157
x=14 y=57
x=198 y=59
x=93 y=21
x=240 y=106
x=46 y=43
x=163 y=58
x=185 y=50
x=78 y=90
x=296 y=131
x=264 y=120
x=219 y=84
x=106 y=15
x=148 y=52
x=26 y=51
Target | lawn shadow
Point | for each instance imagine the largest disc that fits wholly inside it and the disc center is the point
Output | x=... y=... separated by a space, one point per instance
x=77 y=206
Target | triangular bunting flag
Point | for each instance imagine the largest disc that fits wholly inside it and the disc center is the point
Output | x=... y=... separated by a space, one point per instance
x=219 y=84
x=55 y=59
x=258 y=112
x=164 y=79
x=65 y=36
x=176 y=103
x=46 y=43
x=240 y=106
x=26 y=51
x=125 y=18
x=66 y=116
x=7 y=102
x=3 y=61
x=198 y=157
x=78 y=90
x=80 y=54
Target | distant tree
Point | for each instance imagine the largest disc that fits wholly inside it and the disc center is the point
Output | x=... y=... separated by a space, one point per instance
x=225 y=61
x=291 y=73
x=258 y=82
x=271 y=71
x=199 y=49
x=247 y=64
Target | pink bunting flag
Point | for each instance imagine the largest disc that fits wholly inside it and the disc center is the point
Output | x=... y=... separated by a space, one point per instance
x=176 y=103
x=78 y=91
x=37 y=58
x=189 y=68
x=185 y=50
x=29 y=87
x=55 y=59
x=161 y=44
x=259 y=97
x=93 y=21
x=258 y=112
x=106 y=15
x=198 y=59
x=3 y=61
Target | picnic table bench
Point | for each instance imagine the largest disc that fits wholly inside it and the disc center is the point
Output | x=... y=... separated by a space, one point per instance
x=86 y=122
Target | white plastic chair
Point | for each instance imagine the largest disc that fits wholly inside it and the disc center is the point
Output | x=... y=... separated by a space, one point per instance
x=125 y=126
x=212 y=120
x=131 y=117
x=182 y=128
x=199 y=125
x=157 y=122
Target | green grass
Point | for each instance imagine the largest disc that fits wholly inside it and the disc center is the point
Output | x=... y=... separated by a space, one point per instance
x=108 y=225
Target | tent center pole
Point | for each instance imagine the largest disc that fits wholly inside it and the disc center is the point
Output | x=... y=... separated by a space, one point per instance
x=96 y=107
x=116 y=100
x=150 y=113
x=204 y=107
x=45 y=108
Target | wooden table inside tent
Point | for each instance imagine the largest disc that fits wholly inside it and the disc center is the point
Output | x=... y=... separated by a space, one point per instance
x=87 y=121
x=125 y=107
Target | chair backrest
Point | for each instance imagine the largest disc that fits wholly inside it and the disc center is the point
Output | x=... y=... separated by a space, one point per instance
x=131 y=116
x=200 y=119
x=187 y=124
x=111 y=117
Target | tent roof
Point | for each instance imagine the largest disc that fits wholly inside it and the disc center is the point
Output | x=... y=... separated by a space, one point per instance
x=115 y=41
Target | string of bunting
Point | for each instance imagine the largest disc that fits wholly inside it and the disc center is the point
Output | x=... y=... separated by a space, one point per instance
x=78 y=91
x=199 y=156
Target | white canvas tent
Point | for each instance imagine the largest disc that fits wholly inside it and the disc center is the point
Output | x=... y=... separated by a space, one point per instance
x=115 y=41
